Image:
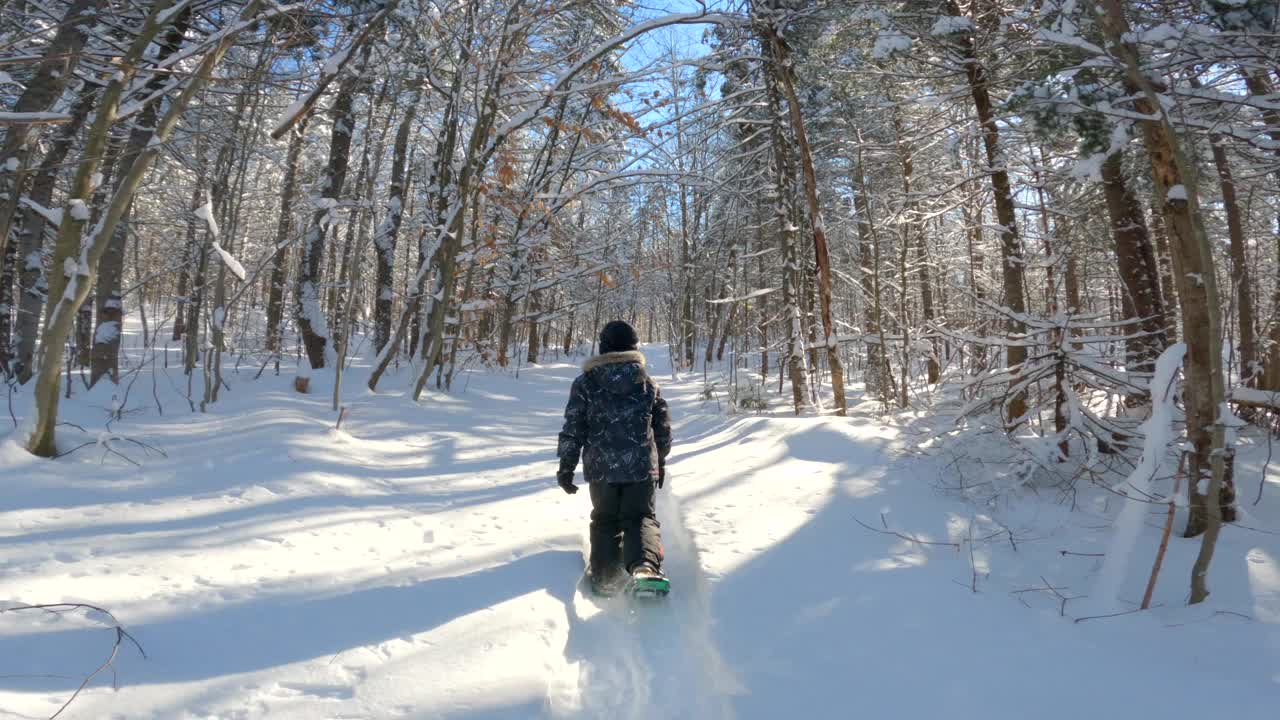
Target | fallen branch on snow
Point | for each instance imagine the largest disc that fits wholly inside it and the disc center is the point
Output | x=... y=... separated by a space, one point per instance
x=904 y=536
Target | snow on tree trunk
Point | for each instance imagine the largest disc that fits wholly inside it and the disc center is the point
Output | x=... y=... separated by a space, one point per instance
x=1175 y=182
x=1159 y=435
x=33 y=285
x=109 y=305
x=308 y=313
x=784 y=212
x=784 y=71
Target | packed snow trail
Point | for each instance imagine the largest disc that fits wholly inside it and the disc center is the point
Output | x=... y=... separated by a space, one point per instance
x=647 y=659
x=422 y=563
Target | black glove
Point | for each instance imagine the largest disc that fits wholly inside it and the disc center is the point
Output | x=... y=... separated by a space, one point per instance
x=565 y=480
x=662 y=473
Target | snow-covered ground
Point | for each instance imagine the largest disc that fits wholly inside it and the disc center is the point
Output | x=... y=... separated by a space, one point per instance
x=421 y=563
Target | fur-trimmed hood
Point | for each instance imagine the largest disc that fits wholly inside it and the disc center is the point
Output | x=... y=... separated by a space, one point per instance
x=613 y=357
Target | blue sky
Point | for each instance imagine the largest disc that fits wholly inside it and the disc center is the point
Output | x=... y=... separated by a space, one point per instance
x=689 y=37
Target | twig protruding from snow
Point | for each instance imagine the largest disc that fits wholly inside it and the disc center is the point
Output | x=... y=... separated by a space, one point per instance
x=96 y=613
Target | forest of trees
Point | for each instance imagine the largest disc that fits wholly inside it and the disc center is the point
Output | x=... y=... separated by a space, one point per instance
x=1024 y=202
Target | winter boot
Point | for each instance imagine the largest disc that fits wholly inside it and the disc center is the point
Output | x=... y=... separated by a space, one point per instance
x=606 y=583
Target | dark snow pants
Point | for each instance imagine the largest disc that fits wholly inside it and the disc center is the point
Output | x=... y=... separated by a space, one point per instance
x=624 y=526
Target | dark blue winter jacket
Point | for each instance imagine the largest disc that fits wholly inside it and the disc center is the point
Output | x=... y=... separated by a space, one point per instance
x=616 y=420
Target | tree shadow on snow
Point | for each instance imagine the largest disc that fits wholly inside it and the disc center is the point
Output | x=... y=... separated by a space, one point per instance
x=267 y=632
x=837 y=620
x=226 y=526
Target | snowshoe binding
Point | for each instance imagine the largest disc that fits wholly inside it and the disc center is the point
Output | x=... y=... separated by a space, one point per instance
x=648 y=584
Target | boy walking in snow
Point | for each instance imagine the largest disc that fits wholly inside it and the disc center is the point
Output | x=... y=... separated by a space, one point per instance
x=617 y=422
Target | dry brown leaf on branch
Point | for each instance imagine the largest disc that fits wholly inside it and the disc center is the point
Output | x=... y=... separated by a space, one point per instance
x=506 y=174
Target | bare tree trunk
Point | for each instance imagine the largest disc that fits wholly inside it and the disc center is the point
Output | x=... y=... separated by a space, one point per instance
x=715 y=313
x=342 y=339
x=83 y=336
x=182 y=286
x=688 y=228
x=467 y=294
x=722 y=317
x=443 y=289
x=198 y=263
x=1071 y=283
x=1011 y=255
x=724 y=333
x=888 y=387
x=8 y=261
x=1259 y=83
x=206 y=304
x=934 y=368
x=338 y=291
x=782 y=58
x=972 y=211
x=907 y=233
x=357 y=228
x=1247 y=344
x=1168 y=286
x=783 y=181
x=762 y=323
x=284 y=228
x=688 y=331
x=875 y=379
x=904 y=325
x=142 y=296
x=807 y=316
x=85 y=332
x=308 y=314
x=1137 y=266
x=912 y=234
x=32 y=283
x=105 y=351
x=384 y=242
x=505 y=324
x=535 y=346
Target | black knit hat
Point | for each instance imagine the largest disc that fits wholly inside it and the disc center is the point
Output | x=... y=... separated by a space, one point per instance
x=618 y=336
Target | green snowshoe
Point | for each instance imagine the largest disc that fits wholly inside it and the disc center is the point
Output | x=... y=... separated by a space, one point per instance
x=647 y=583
